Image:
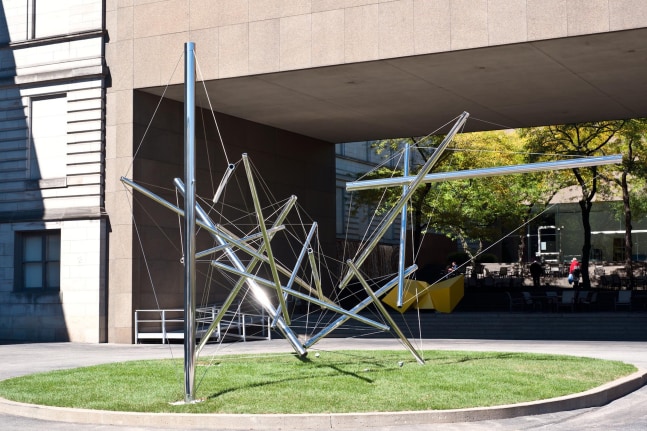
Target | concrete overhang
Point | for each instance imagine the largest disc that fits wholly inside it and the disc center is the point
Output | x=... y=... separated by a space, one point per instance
x=573 y=79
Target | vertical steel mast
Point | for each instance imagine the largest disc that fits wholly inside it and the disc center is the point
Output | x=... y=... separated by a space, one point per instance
x=189 y=221
x=403 y=232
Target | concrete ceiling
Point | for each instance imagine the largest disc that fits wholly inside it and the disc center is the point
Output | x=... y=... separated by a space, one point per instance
x=575 y=79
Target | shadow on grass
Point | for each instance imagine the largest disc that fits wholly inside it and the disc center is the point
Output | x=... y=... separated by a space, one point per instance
x=334 y=371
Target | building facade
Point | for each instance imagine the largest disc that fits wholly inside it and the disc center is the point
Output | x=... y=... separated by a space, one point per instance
x=80 y=81
x=354 y=159
x=53 y=229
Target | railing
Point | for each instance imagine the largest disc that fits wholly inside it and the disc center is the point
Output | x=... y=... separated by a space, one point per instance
x=168 y=324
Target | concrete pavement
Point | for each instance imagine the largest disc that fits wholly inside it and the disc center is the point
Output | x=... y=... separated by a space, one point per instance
x=609 y=407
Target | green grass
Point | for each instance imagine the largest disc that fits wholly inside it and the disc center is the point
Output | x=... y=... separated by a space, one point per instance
x=339 y=381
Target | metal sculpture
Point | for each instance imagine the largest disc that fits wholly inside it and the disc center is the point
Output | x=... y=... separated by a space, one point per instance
x=257 y=245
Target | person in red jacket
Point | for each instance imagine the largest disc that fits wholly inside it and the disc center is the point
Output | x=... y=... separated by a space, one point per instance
x=574 y=271
x=574 y=263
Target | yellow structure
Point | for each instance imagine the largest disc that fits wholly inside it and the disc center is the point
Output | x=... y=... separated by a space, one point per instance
x=442 y=296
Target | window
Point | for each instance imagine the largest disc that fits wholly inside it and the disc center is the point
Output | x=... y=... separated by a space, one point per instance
x=52 y=18
x=340 y=205
x=43 y=19
x=38 y=260
x=618 y=249
x=48 y=148
x=339 y=149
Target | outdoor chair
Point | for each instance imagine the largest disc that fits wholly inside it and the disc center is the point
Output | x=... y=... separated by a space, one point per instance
x=522 y=302
x=488 y=282
x=517 y=283
x=567 y=300
x=604 y=282
x=641 y=282
x=616 y=281
x=623 y=299
x=530 y=303
x=517 y=302
x=503 y=283
x=590 y=301
x=552 y=300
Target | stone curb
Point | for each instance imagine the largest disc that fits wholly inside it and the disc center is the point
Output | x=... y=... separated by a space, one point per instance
x=592 y=398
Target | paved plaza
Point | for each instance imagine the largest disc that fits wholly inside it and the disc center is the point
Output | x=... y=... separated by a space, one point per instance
x=626 y=413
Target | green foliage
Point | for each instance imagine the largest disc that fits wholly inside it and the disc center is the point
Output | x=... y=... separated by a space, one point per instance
x=576 y=140
x=335 y=381
x=470 y=210
x=479 y=210
x=487 y=258
x=626 y=137
x=632 y=144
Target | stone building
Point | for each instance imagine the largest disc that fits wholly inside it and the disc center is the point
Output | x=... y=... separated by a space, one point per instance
x=53 y=225
x=90 y=91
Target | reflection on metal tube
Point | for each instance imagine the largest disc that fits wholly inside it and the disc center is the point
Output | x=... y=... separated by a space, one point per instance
x=259 y=294
x=300 y=295
x=223 y=182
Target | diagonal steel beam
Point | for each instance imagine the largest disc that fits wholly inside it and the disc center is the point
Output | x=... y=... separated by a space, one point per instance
x=266 y=238
x=385 y=313
x=356 y=309
x=300 y=295
x=258 y=292
x=395 y=211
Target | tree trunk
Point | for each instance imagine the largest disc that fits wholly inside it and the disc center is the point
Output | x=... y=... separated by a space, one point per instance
x=521 y=250
x=628 y=241
x=586 y=205
x=470 y=254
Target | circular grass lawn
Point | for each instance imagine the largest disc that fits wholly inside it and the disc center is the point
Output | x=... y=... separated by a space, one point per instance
x=322 y=382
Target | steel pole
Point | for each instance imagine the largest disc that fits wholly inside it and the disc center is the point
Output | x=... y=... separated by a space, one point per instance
x=189 y=222
x=403 y=231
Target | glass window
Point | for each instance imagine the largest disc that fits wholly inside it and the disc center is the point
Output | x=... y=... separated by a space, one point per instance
x=341 y=211
x=54 y=18
x=33 y=19
x=39 y=260
x=48 y=137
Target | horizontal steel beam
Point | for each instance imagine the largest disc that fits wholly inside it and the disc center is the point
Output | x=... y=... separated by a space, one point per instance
x=487 y=172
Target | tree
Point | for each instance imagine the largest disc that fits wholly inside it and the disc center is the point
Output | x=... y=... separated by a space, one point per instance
x=584 y=139
x=384 y=199
x=632 y=143
x=474 y=211
x=471 y=211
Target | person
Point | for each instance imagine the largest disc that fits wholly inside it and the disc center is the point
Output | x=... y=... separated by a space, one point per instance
x=535 y=273
x=451 y=270
x=574 y=263
x=574 y=272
